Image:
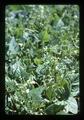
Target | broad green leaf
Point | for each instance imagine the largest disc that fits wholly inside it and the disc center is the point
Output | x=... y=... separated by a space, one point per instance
x=54 y=49
x=15 y=7
x=63 y=90
x=44 y=35
x=72 y=105
x=35 y=94
x=59 y=24
x=37 y=61
x=13 y=46
x=11 y=86
x=63 y=113
x=53 y=109
x=19 y=31
x=50 y=93
x=39 y=69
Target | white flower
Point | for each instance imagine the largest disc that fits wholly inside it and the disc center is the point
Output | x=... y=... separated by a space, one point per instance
x=9 y=99
x=25 y=35
x=16 y=98
x=75 y=16
x=27 y=91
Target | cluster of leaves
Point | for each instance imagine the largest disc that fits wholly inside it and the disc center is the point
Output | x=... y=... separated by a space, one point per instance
x=42 y=59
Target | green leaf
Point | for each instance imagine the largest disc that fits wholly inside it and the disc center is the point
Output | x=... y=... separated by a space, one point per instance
x=50 y=93
x=37 y=61
x=72 y=105
x=13 y=46
x=15 y=7
x=10 y=84
x=44 y=36
x=62 y=113
x=53 y=109
x=39 y=69
x=35 y=94
x=63 y=90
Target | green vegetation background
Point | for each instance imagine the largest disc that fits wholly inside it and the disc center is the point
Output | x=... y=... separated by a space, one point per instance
x=42 y=59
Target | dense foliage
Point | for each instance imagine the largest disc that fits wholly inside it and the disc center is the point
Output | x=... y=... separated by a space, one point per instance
x=41 y=59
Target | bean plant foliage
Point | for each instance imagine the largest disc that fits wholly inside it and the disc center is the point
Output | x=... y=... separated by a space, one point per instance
x=41 y=59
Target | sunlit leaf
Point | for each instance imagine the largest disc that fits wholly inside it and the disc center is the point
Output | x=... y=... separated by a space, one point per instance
x=72 y=106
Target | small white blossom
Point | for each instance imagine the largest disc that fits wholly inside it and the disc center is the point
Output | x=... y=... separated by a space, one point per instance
x=9 y=99
x=27 y=91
